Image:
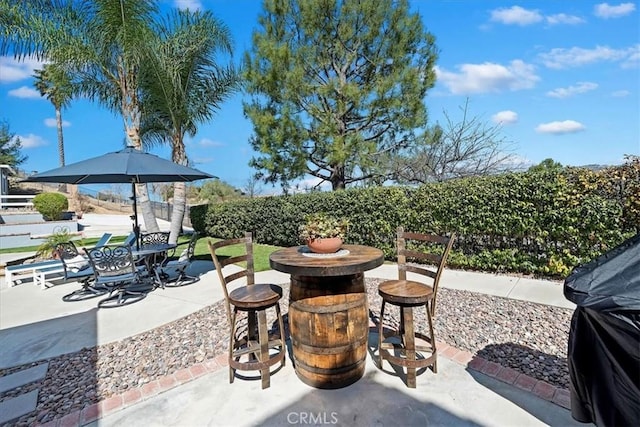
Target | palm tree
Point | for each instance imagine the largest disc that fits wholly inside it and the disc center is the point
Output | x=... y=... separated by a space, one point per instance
x=99 y=42
x=183 y=86
x=54 y=84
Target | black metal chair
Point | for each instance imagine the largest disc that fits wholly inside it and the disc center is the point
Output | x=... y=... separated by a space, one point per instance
x=114 y=268
x=178 y=266
x=77 y=268
x=154 y=238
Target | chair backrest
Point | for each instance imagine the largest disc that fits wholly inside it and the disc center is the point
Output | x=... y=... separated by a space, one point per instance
x=66 y=250
x=110 y=261
x=189 y=253
x=72 y=260
x=221 y=261
x=129 y=240
x=104 y=239
x=154 y=238
x=423 y=249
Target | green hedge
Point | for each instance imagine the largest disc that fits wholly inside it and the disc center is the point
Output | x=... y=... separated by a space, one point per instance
x=542 y=223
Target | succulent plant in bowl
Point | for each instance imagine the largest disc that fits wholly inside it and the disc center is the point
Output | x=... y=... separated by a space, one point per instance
x=323 y=233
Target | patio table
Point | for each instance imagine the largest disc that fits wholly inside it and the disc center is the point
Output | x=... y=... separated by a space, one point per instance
x=328 y=312
x=150 y=254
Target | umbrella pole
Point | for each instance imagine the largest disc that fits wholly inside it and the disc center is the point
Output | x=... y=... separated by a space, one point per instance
x=136 y=227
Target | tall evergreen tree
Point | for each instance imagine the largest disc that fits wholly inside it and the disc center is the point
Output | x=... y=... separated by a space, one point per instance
x=10 y=146
x=334 y=85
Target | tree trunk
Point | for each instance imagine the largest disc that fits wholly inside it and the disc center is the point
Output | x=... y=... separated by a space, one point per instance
x=179 y=156
x=179 y=205
x=337 y=178
x=63 y=187
x=132 y=127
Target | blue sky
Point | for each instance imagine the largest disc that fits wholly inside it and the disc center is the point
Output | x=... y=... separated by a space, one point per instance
x=561 y=78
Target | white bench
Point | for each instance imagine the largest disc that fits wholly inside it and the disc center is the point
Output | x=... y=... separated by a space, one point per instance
x=37 y=270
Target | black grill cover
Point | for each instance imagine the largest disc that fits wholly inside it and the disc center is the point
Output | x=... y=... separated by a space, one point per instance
x=604 y=338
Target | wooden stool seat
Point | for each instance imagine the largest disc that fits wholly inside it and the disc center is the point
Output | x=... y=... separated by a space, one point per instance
x=252 y=348
x=407 y=295
x=405 y=292
x=260 y=296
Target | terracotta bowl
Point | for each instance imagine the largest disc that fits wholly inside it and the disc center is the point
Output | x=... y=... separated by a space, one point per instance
x=325 y=246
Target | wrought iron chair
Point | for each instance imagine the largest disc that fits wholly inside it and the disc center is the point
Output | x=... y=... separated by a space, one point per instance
x=77 y=268
x=178 y=266
x=253 y=349
x=154 y=238
x=409 y=294
x=114 y=268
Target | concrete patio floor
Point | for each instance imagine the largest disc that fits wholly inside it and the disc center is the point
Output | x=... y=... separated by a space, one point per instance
x=36 y=324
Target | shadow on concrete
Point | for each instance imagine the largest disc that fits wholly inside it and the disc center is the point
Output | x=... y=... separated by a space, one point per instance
x=43 y=342
x=340 y=407
x=48 y=338
x=555 y=367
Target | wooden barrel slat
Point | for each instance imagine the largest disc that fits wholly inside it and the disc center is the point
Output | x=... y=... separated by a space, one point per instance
x=328 y=321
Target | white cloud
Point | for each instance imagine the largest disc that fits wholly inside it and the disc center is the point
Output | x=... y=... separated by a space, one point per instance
x=51 y=123
x=506 y=117
x=567 y=126
x=188 y=4
x=606 y=11
x=562 y=18
x=32 y=141
x=563 y=92
x=633 y=60
x=577 y=56
x=206 y=142
x=12 y=70
x=488 y=77
x=310 y=183
x=620 y=93
x=516 y=15
x=25 y=92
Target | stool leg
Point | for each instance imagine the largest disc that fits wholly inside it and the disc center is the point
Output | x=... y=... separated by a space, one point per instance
x=232 y=345
x=263 y=335
x=432 y=337
x=409 y=341
x=282 y=334
x=252 y=329
x=380 y=336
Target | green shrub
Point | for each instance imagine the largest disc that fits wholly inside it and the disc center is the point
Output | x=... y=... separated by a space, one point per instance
x=51 y=205
x=540 y=222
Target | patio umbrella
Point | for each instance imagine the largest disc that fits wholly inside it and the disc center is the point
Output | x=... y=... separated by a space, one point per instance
x=125 y=166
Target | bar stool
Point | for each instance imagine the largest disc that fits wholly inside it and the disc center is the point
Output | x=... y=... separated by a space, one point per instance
x=410 y=294
x=255 y=350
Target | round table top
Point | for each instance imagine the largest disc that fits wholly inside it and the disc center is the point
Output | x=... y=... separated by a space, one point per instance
x=294 y=261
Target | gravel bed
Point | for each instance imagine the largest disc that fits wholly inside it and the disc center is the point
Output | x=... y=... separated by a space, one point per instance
x=530 y=338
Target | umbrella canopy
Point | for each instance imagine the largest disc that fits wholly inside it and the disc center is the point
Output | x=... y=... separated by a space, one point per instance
x=125 y=166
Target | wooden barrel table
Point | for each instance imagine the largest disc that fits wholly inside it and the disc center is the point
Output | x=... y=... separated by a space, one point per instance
x=328 y=312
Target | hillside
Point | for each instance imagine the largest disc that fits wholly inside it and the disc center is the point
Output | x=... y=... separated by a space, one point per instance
x=92 y=205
